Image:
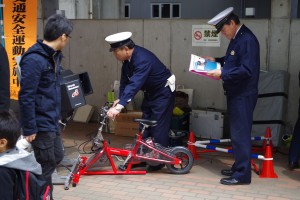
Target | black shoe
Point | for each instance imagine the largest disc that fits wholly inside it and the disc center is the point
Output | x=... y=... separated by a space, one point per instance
x=227 y=172
x=293 y=165
x=233 y=181
x=154 y=168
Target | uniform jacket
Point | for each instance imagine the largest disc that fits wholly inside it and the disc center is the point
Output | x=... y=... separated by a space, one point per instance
x=40 y=96
x=4 y=80
x=144 y=72
x=241 y=64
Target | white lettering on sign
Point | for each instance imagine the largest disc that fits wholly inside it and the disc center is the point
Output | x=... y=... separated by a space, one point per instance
x=73 y=86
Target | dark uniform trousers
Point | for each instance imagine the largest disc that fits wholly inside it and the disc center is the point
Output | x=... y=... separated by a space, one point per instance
x=294 y=151
x=240 y=111
x=159 y=106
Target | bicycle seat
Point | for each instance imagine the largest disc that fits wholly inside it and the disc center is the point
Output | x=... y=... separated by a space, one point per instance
x=147 y=122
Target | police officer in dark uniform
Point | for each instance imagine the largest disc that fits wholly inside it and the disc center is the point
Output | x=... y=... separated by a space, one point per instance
x=240 y=73
x=142 y=70
x=294 y=152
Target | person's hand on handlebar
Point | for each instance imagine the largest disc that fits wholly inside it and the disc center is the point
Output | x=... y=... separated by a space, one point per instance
x=114 y=110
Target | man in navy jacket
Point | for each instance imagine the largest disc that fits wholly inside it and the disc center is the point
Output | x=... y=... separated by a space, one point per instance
x=142 y=70
x=240 y=73
x=40 y=95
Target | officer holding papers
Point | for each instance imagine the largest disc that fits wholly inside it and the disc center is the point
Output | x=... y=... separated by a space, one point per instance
x=239 y=73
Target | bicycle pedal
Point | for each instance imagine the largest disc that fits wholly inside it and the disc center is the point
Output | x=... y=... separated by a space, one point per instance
x=122 y=167
x=139 y=165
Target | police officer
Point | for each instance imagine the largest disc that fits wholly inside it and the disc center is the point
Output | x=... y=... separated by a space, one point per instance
x=142 y=70
x=239 y=73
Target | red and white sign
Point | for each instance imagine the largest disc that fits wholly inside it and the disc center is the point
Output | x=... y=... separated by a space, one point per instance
x=197 y=35
x=205 y=35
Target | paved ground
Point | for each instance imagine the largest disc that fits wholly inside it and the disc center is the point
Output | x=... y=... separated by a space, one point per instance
x=201 y=183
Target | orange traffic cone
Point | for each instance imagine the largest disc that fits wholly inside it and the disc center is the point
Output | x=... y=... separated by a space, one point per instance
x=268 y=137
x=267 y=167
x=191 y=145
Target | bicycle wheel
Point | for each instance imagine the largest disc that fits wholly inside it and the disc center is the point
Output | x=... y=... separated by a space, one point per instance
x=187 y=160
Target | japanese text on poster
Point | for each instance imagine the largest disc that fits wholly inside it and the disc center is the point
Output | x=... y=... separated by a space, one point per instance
x=20 y=30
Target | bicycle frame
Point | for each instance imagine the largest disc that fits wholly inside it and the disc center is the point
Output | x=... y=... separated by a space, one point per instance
x=154 y=153
x=131 y=155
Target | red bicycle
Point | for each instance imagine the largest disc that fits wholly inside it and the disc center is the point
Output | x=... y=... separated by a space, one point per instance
x=178 y=160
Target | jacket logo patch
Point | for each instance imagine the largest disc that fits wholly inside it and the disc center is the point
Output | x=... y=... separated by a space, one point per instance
x=232 y=53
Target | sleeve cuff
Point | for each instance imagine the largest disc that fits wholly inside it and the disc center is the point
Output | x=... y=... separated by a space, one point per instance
x=119 y=107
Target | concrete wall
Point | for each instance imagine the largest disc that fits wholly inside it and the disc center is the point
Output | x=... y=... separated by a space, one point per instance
x=201 y=9
x=294 y=68
x=171 y=41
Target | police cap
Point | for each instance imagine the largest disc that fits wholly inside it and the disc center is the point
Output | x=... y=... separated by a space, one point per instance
x=118 y=40
x=220 y=19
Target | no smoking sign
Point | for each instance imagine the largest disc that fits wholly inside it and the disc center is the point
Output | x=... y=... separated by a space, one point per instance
x=197 y=35
x=205 y=35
